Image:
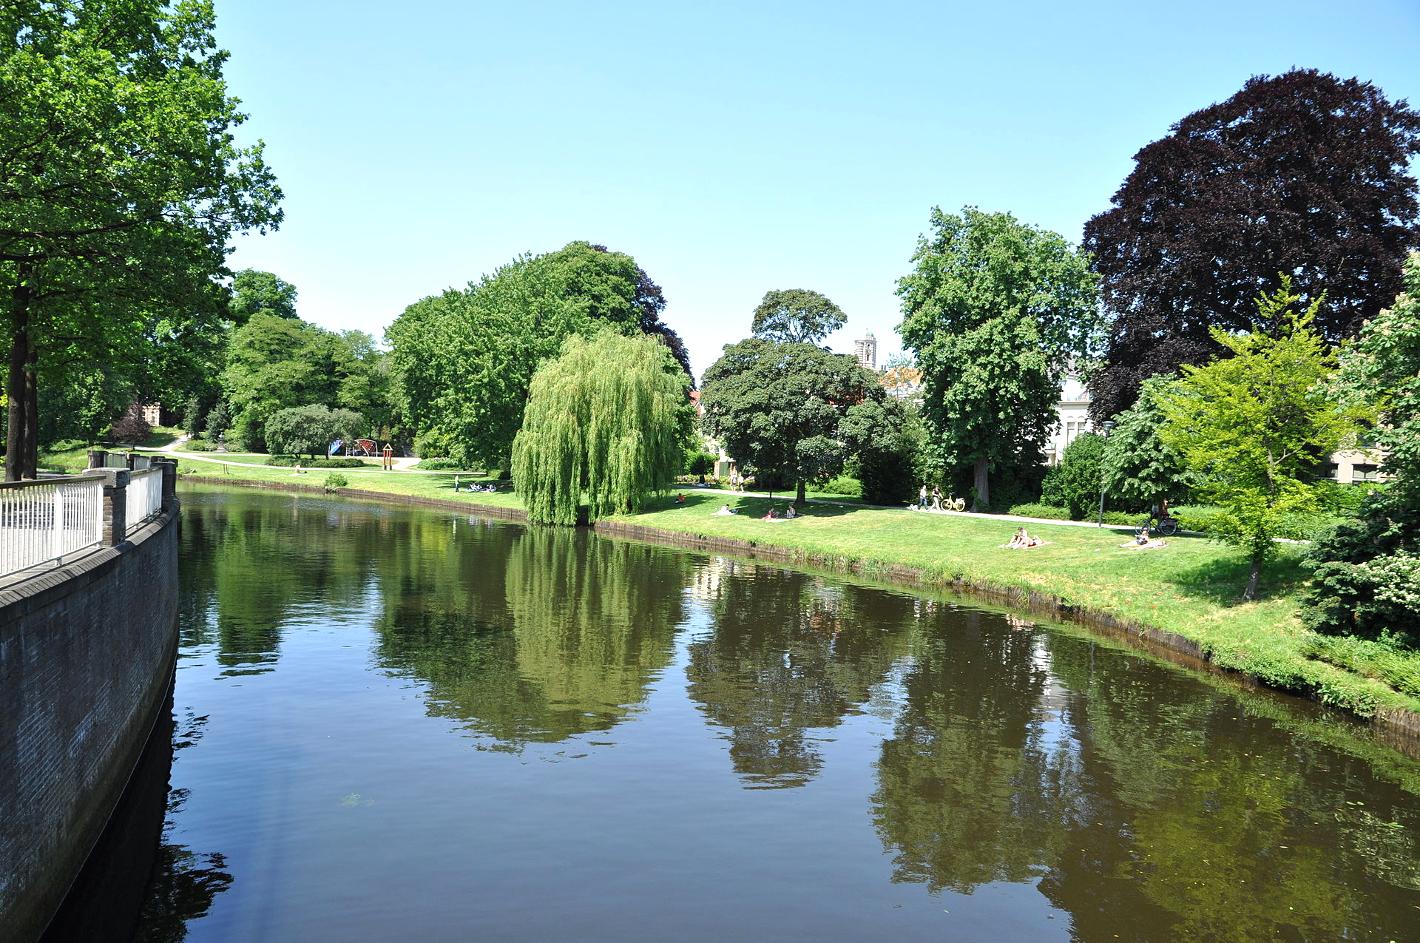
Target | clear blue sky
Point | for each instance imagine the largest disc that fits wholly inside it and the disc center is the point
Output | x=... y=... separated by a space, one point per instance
x=731 y=148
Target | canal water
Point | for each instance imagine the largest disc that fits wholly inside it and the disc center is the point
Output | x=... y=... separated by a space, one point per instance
x=394 y=724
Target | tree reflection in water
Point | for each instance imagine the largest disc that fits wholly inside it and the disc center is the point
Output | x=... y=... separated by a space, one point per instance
x=789 y=655
x=541 y=635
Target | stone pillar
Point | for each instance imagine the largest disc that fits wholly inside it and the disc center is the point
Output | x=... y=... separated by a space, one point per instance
x=97 y=457
x=128 y=459
x=169 y=469
x=115 y=504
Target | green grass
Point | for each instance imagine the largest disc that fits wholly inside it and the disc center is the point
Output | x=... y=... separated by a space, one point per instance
x=1191 y=587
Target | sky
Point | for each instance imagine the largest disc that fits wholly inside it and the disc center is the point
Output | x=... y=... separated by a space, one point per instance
x=731 y=148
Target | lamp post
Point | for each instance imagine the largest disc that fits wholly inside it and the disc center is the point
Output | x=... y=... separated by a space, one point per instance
x=1105 y=427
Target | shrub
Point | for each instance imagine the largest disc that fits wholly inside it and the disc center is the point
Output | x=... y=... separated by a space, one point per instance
x=335 y=482
x=131 y=428
x=198 y=445
x=1047 y=511
x=1075 y=482
x=700 y=462
x=290 y=461
x=845 y=485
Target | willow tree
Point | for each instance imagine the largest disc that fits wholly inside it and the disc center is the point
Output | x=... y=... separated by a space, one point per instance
x=607 y=423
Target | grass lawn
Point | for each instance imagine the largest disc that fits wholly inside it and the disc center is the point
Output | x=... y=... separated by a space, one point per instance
x=1191 y=587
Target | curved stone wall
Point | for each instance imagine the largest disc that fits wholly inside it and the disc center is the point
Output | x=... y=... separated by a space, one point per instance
x=86 y=656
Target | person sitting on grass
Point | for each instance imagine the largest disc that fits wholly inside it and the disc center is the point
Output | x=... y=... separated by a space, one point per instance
x=725 y=510
x=1142 y=541
x=790 y=513
x=773 y=515
x=680 y=499
x=1022 y=540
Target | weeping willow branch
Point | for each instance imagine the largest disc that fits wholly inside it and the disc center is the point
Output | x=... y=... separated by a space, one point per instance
x=606 y=424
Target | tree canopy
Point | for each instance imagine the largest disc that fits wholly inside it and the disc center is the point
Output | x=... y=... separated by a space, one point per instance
x=310 y=430
x=997 y=312
x=255 y=291
x=779 y=408
x=1302 y=173
x=122 y=183
x=1253 y=426
x=607 y=422
x=1138 y=466
x=796 y=316
x=464 y=360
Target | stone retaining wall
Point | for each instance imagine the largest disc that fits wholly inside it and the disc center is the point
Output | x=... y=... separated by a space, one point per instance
x=86 y=657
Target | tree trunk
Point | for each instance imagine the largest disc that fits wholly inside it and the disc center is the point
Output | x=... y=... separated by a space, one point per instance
x=30 y=468
x=800 y=496
x=16 y=387
x=1250 y=591
x=982 y=501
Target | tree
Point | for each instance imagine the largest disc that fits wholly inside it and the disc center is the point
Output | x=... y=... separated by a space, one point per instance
x=122 y=184
x=275 y=363
x=1367 y=576
x=1303 y=172
x=778 y=408
x=607 y=421
x=1075 y=483
x=997 y=312
x=1138 y=466
x=1253 y=426
x=463 y=361
x=796 y=316
x=219 y=420
x=886 y=435
x=192 y=414
x=309 y=430
x=258 y=292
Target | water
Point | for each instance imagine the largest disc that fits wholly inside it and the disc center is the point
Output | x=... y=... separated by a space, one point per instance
x=396 y=724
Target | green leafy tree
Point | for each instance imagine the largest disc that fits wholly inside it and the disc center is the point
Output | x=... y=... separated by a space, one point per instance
x=276 y=363
x=1138 y=467
x=1253 y=426
x=886 y=436
x=996 y=312
x=192 y=414
x=607 y=422
x=779 y=408
x=258 y=292
x=796 y=316
x=219 y=420
x=463 y=361
x=309 y=430
x=122 y=184
x=1075 y=483
x=1367 y=577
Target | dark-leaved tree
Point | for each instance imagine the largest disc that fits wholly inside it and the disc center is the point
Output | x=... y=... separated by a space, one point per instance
x=1302 y=173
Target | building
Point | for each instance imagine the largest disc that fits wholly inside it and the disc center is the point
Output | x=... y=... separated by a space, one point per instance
x=866 y=350
x=1072 y=419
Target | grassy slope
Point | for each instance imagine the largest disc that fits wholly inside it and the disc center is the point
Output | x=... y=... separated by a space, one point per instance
x=1190 y=587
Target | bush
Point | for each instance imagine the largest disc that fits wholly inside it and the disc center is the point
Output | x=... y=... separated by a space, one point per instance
x=1047 y=511
x=197 y=445
x=290 y=461
x=1342 y=500
x=335 y=482
x=700 y=462
x=845 y=485
x=1075 y=482
x=439 y=464
x=131 y=428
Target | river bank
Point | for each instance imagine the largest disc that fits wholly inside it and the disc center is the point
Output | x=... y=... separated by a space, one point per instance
x=1183 y=597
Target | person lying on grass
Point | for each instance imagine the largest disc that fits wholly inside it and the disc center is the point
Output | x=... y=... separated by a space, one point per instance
x=1142 y=541
x=1023 y=540
x=725 y=510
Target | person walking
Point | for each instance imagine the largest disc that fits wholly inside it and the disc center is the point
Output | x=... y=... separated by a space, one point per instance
x=922 y=497
x=936 y=498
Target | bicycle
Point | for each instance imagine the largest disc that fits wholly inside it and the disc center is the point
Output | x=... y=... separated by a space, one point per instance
x=1165 y=525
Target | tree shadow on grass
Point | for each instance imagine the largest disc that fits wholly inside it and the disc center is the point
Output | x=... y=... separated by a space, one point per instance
x=744 y=505
x=1221 y=581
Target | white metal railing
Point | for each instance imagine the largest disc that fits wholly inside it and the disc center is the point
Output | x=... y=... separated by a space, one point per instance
x=145 y=497
x=44 y=521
